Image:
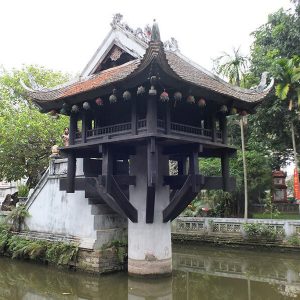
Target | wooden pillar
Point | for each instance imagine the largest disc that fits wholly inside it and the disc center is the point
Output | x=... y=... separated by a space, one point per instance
x=194 y=169
x=84 y=127
x=134 y=116
x=225 y=171
x=71 y=173
x=107 y=167
x=223 y=126
x=168 y=118
x=151 y=114
x=72 y=129
x=213 y=128
x=182 y=166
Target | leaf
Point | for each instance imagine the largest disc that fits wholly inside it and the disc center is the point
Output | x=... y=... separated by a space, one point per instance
x=282 y=90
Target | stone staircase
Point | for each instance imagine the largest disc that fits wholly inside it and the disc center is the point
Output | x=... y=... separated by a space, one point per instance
x=109 y=225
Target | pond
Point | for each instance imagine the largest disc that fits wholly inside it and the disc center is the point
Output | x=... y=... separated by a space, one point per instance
x=200 y=272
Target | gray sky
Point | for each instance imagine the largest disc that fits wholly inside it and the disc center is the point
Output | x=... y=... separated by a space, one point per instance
x=64 y=34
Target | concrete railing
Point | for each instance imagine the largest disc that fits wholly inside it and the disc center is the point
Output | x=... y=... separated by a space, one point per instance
x=230 y=226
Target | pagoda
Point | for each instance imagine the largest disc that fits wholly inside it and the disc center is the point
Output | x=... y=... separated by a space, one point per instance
x=133 y=111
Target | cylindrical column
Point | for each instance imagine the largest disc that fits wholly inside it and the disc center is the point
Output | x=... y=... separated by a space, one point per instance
x=149 y=245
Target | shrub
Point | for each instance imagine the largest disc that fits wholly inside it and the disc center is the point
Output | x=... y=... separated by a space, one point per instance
x=23 y=190
x=257 y=230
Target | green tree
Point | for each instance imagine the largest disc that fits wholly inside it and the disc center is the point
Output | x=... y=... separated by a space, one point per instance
x=26 y=135
x=232 y=66
x=276 y=41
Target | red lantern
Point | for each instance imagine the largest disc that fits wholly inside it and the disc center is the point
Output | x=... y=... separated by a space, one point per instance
x=164 y=96
x=243 y=113
x=202 y=102
x=99 y=101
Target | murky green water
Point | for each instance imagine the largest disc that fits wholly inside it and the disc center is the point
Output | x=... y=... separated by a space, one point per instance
x=199 y=273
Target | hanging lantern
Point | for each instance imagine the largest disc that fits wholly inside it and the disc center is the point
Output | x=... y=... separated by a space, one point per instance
x=224 y=109
x=177 y=96
x=152 y=90
x=126 y=95
x=190 y=99
x=75 y=109
x=113 y=98
x=243 y=113
x=233 y=111
x=86 y=106
x=164 y=96
x=99 y=101
x=140 y=90
x=201 y=102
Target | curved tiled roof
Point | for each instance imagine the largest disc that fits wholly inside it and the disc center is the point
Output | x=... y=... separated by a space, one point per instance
x=173 y=63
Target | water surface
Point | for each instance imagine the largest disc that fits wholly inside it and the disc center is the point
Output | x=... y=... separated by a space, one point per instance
x=199 y=273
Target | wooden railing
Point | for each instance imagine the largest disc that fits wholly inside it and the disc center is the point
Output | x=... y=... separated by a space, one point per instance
x=107 y=130
x=125 y=128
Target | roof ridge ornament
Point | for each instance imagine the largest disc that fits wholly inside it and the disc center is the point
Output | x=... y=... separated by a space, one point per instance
x=155 y=34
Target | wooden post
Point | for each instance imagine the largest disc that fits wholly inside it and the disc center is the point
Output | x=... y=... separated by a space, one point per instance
x=194 y=169
x=168 y=118
x=182 y=166
x=71 y=173
x=225 y=171
x=84 y=127
x=213 y=128
x=72 y=129
x=134 y=117
x=107 y=167
x=223 y=125
x=151 y=114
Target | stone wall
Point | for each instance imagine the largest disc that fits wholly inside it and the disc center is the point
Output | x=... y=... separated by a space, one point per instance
x=231 y=231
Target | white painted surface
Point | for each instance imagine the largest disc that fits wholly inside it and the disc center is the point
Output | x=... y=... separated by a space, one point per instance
x=148 y=239
x=57 y=212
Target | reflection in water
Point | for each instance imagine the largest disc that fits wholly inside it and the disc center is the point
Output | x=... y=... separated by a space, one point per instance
x=199 y=273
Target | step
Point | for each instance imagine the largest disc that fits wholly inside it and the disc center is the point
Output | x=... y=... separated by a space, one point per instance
x=109 y=221
x=92 y=201
x=101 y=209
x=107 y=236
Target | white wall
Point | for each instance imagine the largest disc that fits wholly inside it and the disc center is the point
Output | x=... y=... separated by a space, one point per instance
x=57 y=212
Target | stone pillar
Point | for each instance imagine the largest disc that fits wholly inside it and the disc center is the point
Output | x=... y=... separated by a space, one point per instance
x=149 y=245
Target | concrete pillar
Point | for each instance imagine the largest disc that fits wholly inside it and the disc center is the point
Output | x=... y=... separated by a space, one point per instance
x=149 y=245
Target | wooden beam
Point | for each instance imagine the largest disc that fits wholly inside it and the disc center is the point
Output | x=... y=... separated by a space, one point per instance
x=84 y=127
x=177 y=181
x=129 y=210
x=179 y=202
x=150 y=202
x=71 y=172
x=183 y=149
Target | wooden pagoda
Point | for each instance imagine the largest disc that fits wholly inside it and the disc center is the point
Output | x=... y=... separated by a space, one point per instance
x=128 y=119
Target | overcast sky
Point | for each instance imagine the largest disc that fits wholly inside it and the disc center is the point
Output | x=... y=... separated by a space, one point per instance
x=64 y=34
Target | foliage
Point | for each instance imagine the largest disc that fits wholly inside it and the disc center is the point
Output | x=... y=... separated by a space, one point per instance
x=121 y=248
x=232 y=66
x=23 y=190
x=257 y=230
x=17 y=218
x=26 y=135
x=275 y=44
x=293 y=240
x=58 y=253
x=270 y=208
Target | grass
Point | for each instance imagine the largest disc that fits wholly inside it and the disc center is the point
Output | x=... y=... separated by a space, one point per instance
x=278 y=217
